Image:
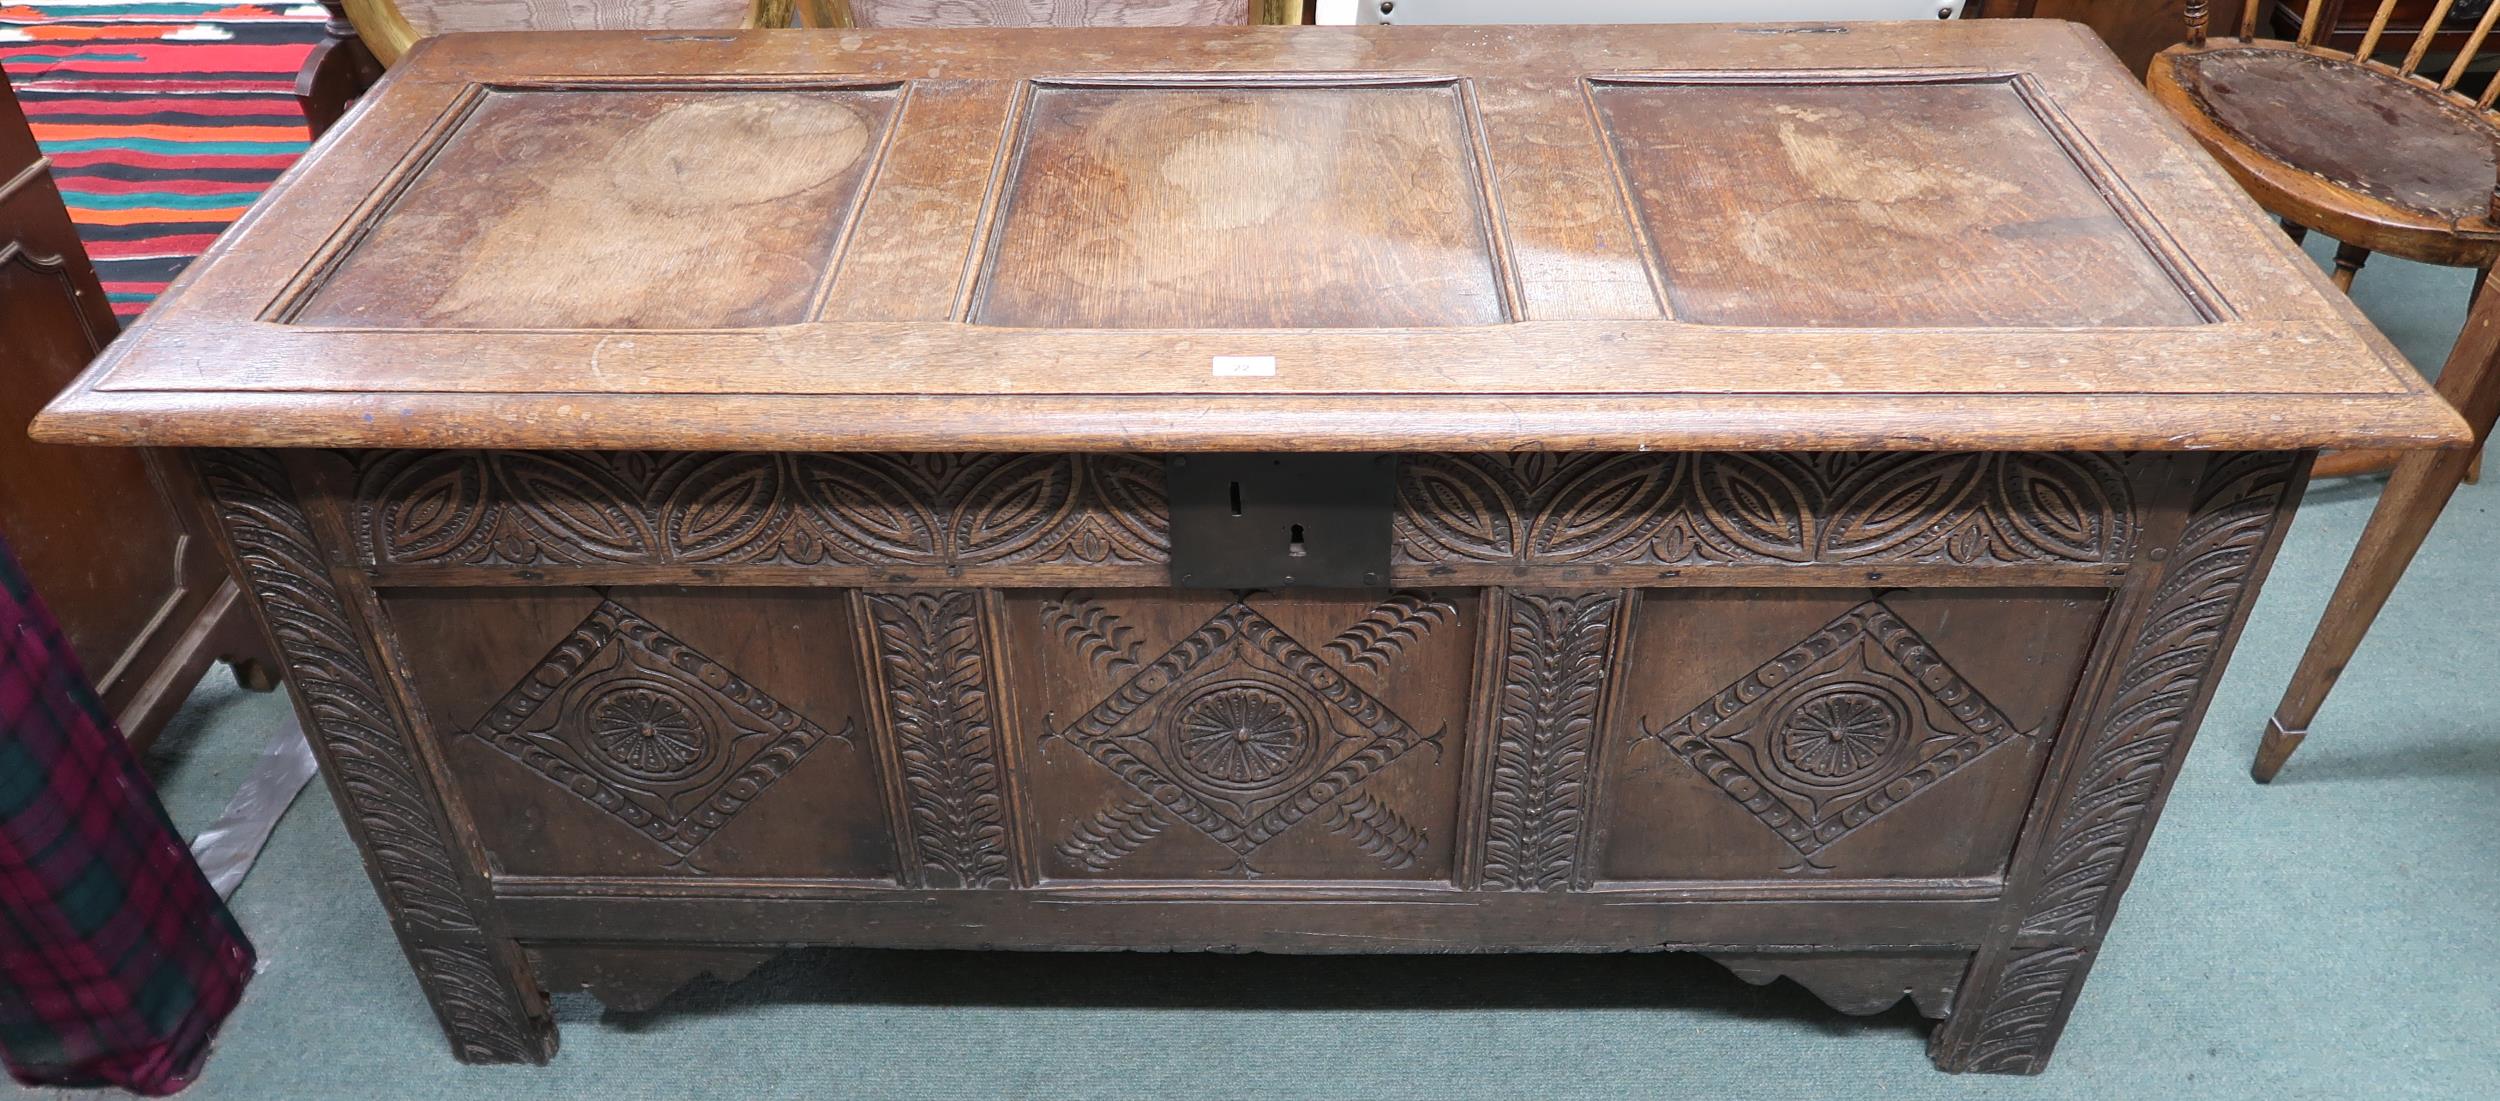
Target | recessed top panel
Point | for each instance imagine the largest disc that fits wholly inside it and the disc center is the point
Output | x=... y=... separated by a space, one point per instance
x=1958 y=234
x=1273 y=207
x=1888 y=204
x=616 y=208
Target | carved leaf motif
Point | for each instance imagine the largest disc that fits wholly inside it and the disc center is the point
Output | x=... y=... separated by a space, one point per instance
x=576 y=502
x=1451 y=509
x=2061 y=506
x=367 y=756
x=1113 y=833
x=938 y=693
x=2017 y=1024
x=1131 y=491
x=434 y=506
x=1377 y=638
x=1611 y=509
x=729 y=506
x=871 y=514
x=1897 y=500
x=2166 y=677
x=1757 y=505
x=1014 y=506
x=1553 y=672
x=1096 y=633
x=1377 y=830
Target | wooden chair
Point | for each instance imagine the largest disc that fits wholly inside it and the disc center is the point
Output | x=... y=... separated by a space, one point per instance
x=2406 y=510
x=2390 y=158
x=365 y=36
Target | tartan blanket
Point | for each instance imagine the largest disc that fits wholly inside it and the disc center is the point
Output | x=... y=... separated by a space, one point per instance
x=117 y=961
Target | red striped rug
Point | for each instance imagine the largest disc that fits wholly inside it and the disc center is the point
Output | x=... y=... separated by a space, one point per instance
x=163 y=119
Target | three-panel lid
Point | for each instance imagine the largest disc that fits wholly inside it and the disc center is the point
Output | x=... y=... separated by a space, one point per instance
x=1954 y=235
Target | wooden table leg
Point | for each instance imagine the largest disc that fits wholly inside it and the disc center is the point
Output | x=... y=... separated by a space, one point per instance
x=2406 y=510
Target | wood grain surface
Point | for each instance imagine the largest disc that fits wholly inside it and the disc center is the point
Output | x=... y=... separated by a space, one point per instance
x=1288 y=207
x=1444 y=238
x=1886 y=203
x=693 y=190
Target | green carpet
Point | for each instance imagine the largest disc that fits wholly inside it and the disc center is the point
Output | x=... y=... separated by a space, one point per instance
x=2330 y=937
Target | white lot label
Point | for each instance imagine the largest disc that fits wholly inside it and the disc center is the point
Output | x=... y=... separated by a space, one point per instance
x=1244 y=366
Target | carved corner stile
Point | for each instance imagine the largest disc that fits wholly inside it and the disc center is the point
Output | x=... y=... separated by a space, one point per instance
x=477 y=981
x=2111 y=777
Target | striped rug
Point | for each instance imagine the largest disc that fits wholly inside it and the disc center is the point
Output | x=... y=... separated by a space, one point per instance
x=163 y=119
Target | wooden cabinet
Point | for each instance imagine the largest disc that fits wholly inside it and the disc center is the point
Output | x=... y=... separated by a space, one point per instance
x=110 y=538
x=1779 y=492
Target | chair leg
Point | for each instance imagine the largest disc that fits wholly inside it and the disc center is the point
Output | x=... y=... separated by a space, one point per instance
x=2299 y=232
x=2473 y=298
x=2406 y=510
x=2348 y=261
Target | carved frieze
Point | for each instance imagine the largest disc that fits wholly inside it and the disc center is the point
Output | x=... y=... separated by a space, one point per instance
x=1672 y=509
x=529 y=509
x=1459 y=516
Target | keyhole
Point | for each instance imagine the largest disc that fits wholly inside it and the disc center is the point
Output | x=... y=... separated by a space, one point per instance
x=1293 y=543
x=1236 y=498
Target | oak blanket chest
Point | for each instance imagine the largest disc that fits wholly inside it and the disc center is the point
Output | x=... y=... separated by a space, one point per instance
x=1782 y=492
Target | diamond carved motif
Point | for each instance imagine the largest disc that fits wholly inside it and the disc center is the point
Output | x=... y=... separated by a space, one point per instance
x=1847 y=724
x=649 y=730
x=1242 y=732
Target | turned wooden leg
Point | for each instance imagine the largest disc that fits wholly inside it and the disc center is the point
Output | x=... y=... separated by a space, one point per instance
x=2298 y=231
x=2348 y=261
x=2406 y=510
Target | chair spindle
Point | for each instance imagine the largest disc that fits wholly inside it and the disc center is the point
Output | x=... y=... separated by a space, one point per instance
x=2473 y=45
x=2248 y=17
x=2196 y=15
x=2430 y=30
x=2378 y=27
x=2308 y=21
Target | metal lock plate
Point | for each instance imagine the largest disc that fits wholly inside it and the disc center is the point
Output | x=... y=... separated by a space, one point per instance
x=1278 y=520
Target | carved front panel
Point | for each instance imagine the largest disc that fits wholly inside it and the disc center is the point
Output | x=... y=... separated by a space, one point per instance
x=1795 y=710
x=652 y=731
x=1187 y=735
x=963 y=722
x=1837 y=732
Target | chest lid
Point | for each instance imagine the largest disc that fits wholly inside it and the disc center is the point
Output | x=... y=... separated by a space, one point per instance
x=1949 y=235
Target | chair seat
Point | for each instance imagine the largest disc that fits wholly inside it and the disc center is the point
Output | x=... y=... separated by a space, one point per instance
x=2355 y=128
